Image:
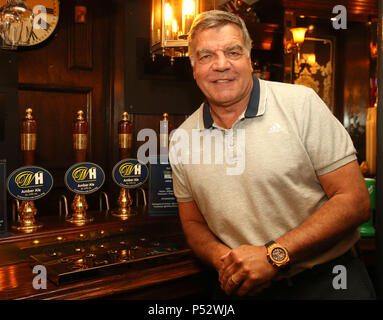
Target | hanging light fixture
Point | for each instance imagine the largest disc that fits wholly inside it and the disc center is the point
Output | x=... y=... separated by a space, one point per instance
x=16 y=24
x=171 y=22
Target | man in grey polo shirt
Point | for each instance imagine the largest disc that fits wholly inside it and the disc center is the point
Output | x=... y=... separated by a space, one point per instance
x=266 y=178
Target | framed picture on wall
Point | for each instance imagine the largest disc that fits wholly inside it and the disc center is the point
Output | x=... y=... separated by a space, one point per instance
x=316 y=67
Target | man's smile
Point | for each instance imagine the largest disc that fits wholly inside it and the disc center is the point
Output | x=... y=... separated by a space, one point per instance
x=223 y=81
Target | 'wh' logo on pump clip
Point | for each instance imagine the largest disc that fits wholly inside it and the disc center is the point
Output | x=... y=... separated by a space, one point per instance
x=130 y=173
x=29 y=183
x=84 y=174
x=25 y=179
x=84 y=178
x=127 y=168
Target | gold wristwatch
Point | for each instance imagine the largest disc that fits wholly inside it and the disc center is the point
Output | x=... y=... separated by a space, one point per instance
x=278 y=256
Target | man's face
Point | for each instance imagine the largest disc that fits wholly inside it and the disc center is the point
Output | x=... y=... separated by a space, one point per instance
x=222 y=67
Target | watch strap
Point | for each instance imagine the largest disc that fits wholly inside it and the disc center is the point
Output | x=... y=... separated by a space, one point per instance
x=268 y=244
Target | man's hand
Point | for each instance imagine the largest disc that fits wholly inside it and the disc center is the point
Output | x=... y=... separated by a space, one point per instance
x=246 y=271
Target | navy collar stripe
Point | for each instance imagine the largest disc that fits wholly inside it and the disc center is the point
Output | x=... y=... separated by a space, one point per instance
x=251 y=111
x=207 y=118
x=252 y=108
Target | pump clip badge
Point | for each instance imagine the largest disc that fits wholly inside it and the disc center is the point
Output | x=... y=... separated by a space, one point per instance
x=29 y=183
x=130 y=173
x=84 y=178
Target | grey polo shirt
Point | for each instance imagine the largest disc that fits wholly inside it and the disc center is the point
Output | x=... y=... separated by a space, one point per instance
x=258 y=180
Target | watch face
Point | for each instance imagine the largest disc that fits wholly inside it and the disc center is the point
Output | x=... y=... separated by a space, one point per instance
x=46 y=16
x=278 y=254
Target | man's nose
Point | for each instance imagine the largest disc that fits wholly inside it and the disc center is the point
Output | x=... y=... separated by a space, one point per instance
x=221 y=63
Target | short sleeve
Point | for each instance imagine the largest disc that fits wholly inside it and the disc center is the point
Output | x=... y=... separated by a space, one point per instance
x=327 y=142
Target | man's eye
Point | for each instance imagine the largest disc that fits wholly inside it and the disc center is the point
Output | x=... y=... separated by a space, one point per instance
x=205 y=57
x=234 y=54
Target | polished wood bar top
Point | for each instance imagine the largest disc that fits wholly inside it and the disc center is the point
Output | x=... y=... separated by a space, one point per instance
x=183 y=277
x=179 y=279
x=170 y=279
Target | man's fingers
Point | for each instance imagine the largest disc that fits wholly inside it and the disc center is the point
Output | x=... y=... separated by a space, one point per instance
x=227 y=267
x=225 y=255
x=231 y=284
x=225 y=275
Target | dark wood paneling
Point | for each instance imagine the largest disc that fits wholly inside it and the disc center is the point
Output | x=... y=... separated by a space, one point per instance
x=48 y=66
x=56 y=122
x=55 y=112
x=80 y=42
x=357 y=10
x=117 y=80
x=9 y=128
x=3 y=97
x=3 y=207
x=68 y=73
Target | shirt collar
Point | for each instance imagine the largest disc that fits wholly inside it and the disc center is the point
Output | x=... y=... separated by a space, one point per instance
x=253 y=108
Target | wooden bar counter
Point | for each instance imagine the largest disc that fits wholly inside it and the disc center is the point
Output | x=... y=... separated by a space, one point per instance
x=176 y=275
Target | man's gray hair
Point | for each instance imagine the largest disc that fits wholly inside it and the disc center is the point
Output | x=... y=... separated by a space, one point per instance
x=215 y=19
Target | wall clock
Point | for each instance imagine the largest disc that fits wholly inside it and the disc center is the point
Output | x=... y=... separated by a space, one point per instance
x=46 y=17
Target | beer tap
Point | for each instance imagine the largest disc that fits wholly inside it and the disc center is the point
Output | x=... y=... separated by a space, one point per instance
x=27 y=210
x=125 y=151
x=80 y=140
x=28 y=137
x=125 y=137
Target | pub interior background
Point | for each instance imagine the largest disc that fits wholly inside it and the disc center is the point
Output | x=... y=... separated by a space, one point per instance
x=103 y=66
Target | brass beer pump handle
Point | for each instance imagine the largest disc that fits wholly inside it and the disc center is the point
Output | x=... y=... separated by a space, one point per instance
x=80 y=141
x=124 y=202
x=27 y=222
x=80 y=137
x=26 y=210
x=28 y=134
x=125 y=137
